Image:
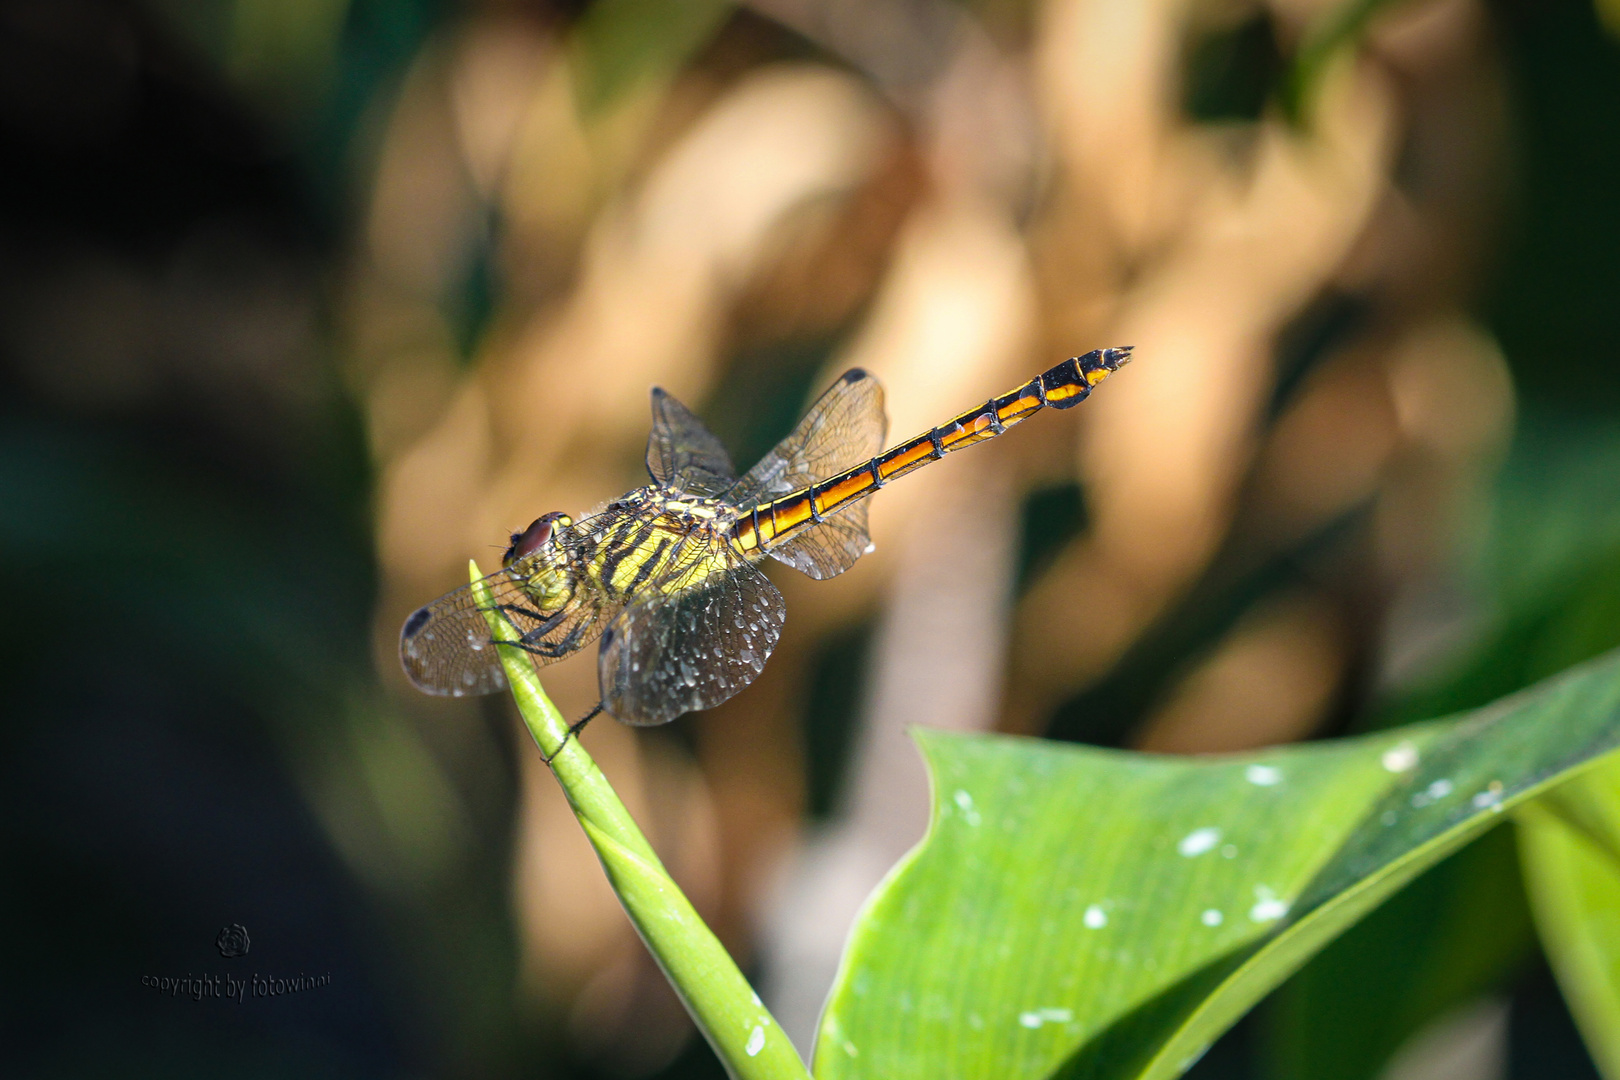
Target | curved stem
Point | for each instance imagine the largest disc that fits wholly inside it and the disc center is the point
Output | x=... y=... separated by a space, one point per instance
x=726 y=1009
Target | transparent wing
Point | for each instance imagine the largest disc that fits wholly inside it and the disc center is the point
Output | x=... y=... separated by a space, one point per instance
x=827 y=550
x=673 y=653
x=844 y=427
x=682 y=453
x=556 y=608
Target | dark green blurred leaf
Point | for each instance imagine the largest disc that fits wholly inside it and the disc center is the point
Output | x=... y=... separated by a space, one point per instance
x=1571 y=845
x=832 y=711
x=1051 y=517
x=1546 y=574
x=1233 y=70
x=1552 y=302
x=1456 y=931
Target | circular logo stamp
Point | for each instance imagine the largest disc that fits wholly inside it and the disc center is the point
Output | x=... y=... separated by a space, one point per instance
x=232 y=941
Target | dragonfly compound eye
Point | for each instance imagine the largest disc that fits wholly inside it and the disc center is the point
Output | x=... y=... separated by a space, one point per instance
x=535 y=537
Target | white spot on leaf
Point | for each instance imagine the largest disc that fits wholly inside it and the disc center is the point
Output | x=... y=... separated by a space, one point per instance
x=964 y=802
x=1401 y=757
x=1262 y=775
x=1268 y=907
x=1036 y=1017
x=1433 y=793
x=1199 y=841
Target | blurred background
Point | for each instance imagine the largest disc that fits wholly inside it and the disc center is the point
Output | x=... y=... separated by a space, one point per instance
x=305 y=302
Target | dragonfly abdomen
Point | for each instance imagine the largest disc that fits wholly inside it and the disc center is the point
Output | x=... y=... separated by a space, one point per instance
x=1060 y=387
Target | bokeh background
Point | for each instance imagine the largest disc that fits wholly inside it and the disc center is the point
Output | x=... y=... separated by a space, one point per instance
x=305 y=302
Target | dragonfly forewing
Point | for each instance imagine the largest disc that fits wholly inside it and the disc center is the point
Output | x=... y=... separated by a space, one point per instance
x=682 y=455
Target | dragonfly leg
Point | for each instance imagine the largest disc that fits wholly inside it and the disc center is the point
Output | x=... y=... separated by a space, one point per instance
x=530 y=641
x=509 y=610
x=573 y=731
x=570 y=641
x=546 y=625
x=538 y=615
x=556 y=649
x=548 y=652
x=532 y=650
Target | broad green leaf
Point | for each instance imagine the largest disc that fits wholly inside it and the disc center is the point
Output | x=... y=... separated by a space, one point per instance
x=1093 y=913
x=1571 y=848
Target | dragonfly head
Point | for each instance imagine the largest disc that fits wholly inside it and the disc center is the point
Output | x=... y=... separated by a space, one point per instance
x=535 y=537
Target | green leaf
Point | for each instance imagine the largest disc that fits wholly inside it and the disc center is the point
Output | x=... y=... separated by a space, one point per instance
x=1093 y=913
x=1571 y=849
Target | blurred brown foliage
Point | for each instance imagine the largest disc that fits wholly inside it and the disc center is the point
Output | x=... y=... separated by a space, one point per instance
x=952 y=198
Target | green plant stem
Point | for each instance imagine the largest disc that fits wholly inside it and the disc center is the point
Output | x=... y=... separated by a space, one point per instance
x=728 y=1012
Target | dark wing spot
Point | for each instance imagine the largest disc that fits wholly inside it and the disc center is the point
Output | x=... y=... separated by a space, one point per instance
x=854 y=374
x=418 y=619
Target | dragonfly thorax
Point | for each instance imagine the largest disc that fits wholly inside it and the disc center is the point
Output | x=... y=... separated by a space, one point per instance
x=699 y=509
x=659 y=539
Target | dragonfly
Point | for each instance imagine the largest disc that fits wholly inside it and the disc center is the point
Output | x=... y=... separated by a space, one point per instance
x=668 y=576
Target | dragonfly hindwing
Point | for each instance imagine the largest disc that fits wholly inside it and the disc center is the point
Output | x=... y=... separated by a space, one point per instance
x=671 y=653
x=828 y=549
x=844 y=427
